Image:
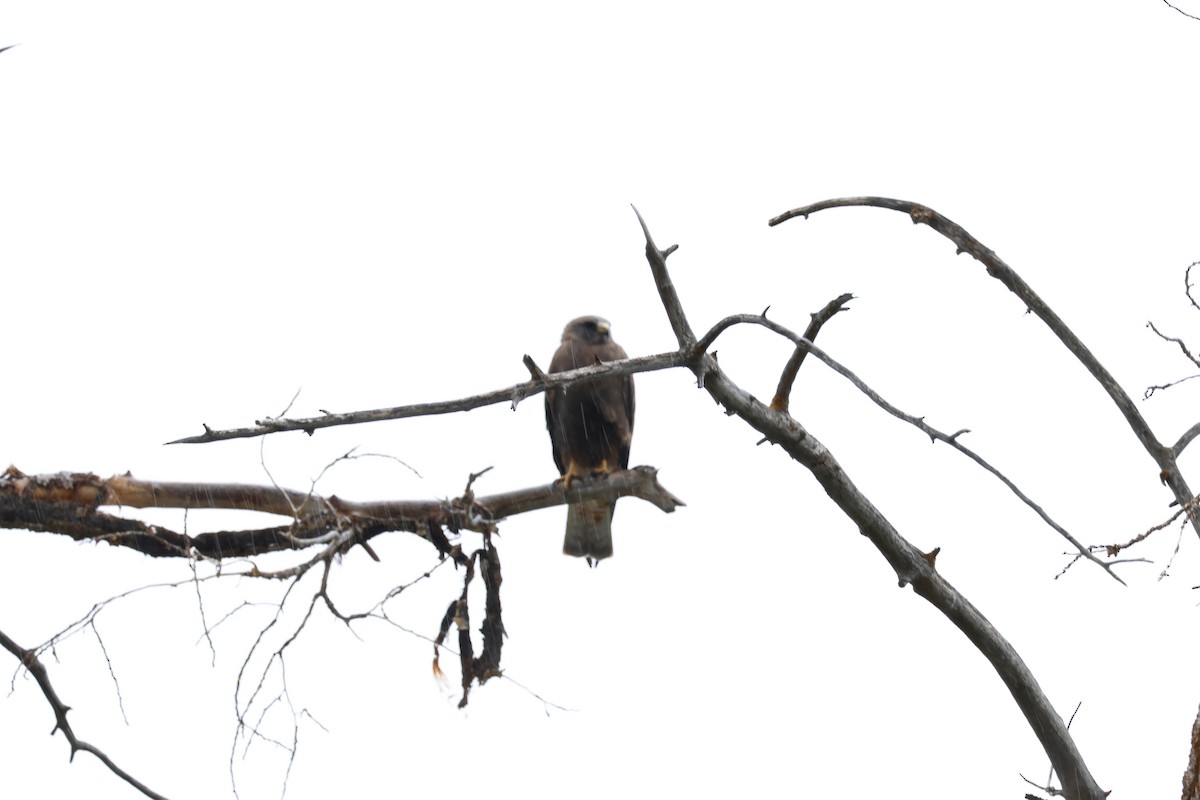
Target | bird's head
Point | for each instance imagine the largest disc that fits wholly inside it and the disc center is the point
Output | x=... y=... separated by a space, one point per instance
x=593 y=330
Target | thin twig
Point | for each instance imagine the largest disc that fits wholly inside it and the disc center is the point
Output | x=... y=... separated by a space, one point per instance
x=1187 y=284
x=1186 y=508
x=1158 y=387
x=1182 y=346
x=1181 y=11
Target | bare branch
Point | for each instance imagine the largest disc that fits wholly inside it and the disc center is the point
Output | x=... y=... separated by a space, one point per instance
x=1183 y=347
x=512 y=394
x=1186 y=508
x=251 y=730
x=1150 y=390
x=67 y=503
x=666 y=289
x=535 y=372
x=31 y=662
x=910 y=565
x=1185 y=440
x=784 y=391
x=1181 y=11
x=999 y=270
x=1191 y=775
x=934 y=434
x=1187 y=285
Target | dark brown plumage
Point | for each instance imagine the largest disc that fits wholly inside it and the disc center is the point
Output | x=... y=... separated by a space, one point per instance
x=591 y=428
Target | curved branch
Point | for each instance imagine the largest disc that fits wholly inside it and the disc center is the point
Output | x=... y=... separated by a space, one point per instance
x=1176 y=340
x=1187 y=284
x=1181 y=11
x=911 y=566
x=31 y=662
x=1186 y=438
x=792 y=368
x=966 y=243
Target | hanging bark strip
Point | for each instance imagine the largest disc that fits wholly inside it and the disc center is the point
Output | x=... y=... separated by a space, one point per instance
x=487 y=665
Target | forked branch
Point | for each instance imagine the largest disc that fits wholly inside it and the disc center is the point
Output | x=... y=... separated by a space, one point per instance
x=803 y=344
x=30 y=661
x=1163 y=456
x=910 y=564
x=792 y=368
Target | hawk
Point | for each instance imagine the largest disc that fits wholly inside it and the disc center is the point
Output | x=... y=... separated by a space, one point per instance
x=591 y=427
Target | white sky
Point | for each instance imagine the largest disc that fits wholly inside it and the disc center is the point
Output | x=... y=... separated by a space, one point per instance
x=204 y=211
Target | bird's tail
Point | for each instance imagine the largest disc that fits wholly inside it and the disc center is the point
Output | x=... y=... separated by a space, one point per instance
x=589 y=529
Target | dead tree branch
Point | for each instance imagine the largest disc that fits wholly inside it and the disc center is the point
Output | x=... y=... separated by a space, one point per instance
x=792 y=368
x=1186 y=438
x=513 y=394
x=1181 y=11
x=1175 y=340
x=1191 y=775
x=910 y=564
x=1158 y=387
x=1193 y=431
x=1151 y=390
x=1187 y=284
x=1163 y=456
x=31 y=662
x=803 y=344
x=1188 y=508
x=68 y=503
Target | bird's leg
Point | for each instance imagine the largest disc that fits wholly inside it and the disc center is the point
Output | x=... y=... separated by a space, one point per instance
x=573 y=472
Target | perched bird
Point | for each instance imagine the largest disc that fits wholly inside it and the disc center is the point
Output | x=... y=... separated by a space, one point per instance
x=591 y=427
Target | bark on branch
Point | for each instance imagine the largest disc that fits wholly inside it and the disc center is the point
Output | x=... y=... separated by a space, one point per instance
x=68 y=503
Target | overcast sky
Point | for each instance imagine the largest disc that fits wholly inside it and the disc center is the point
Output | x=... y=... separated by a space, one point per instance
x=206 y=209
